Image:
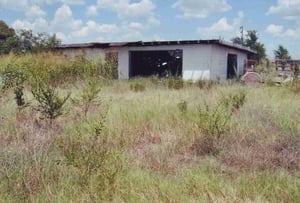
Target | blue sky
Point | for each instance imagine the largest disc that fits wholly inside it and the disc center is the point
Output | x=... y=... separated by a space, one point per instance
x=76 y=21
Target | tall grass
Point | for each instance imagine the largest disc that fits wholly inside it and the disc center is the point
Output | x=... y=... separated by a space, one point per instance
x=118 y=145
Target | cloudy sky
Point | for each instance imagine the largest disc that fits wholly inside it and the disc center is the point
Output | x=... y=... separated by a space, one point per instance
x=75 y=21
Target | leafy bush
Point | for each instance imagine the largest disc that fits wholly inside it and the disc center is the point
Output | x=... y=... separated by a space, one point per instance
x=12 y=78
x=50 y=103
x=19 y=96
x=88 y=97
x=233 y=101
x=214 y=121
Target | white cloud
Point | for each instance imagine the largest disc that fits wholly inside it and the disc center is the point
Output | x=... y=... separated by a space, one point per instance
x=92 y=29
x=25 y=5
x=279 y=31
x=38 y=25
x=91 y=11
x=274 y=29
x=136 y=25
x=201 y=8
x=17 y=5
x=143 y=10
x=222 y=27
x=41 y=2
x=34 y=12
x=126 y=9
x=63 y=20
x=22 y=25
x=288 y=9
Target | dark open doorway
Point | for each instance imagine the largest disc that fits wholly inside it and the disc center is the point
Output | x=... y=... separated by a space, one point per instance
x=161 y=63
x=231 y=66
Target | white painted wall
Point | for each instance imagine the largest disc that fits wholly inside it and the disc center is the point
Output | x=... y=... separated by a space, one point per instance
x=200 y=61
x=196 y=62
x=219 y=61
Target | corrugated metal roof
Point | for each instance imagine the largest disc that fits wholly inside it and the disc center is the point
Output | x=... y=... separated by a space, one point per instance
x=156 y=43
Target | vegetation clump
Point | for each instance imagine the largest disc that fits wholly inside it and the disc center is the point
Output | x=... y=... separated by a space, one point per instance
x=214 y=121
x=174 y=82
x=158 y=146
x=137 y=87
x=50 y=104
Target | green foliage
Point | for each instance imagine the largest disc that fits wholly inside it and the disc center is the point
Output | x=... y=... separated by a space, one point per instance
x=214 y=121
x=50 y=103
x=12 y=78
x=89 y=95
x=234 y=100
x=7 y=38
x=19 y=96
x=5 y=31
x=25 y=40
x=137 y=86
x=26 y=172
x=281 y=53
x=174 y=82
x=182 y=106
x=251 y=41
x=94 y=158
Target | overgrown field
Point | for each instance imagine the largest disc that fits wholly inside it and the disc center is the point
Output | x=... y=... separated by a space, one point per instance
x=70 y=134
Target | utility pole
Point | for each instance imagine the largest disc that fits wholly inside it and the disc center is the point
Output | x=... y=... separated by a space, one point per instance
x=242 y=34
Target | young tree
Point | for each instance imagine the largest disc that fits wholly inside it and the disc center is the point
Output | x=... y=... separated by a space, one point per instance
x=282 y=53
x=251 y=41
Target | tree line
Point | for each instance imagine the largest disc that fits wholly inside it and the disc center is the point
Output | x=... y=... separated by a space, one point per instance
x=251 y=41
x=24 y=41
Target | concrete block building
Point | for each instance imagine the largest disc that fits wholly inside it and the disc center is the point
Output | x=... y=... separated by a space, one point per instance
x=191 y=59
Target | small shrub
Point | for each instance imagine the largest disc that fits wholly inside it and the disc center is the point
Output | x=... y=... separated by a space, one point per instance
x=137 y=87
x=214 y=121
x=182 y=106
x=174 y=83
x=94 y=157
x=89 y=96
x=12 y=78
x=19 y=96
x=50 y=103
x=233 y=101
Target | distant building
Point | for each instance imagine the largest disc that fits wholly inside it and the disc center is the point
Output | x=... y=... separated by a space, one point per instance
x=191 y=59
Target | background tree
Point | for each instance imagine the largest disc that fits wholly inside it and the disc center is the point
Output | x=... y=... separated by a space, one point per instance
x=8 y=38
x=251 y=41
x=282 y=53
x=25 y=41
x=30 y=42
